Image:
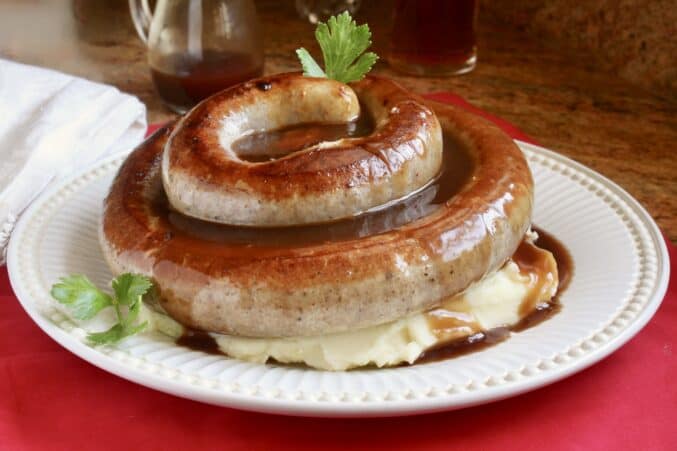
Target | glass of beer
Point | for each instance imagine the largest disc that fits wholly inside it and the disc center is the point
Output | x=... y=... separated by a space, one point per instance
x=434 y=37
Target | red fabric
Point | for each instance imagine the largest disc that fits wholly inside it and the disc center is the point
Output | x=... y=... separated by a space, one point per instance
x=152 y=128
x=52 y=400
x=448 y=97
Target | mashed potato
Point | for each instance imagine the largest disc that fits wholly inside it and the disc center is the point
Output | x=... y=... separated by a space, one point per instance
x=495 y=301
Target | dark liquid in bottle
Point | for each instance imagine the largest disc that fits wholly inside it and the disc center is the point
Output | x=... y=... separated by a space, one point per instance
x=185 y=81
x=433 y=33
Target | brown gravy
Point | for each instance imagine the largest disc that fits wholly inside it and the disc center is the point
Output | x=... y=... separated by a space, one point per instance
x=565 y=263
x=266 y=146
x=201 y=341
x=457 y=168
x=483 y=340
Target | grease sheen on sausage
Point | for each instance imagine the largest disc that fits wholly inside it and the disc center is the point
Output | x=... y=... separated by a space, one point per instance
x=272 y=291
x=204 y=178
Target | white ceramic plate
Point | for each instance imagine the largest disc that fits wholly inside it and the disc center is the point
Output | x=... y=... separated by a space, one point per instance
x=621 y=274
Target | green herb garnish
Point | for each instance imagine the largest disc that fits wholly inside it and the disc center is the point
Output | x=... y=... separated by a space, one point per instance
x=343 y=44
x=86 y=301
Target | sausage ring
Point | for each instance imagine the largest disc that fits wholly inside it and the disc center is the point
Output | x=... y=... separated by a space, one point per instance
x=204 y=178
x=216 y=283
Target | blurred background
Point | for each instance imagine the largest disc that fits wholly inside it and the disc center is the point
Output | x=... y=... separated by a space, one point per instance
x=628 y=39
x=595 y=80
x=632 y=39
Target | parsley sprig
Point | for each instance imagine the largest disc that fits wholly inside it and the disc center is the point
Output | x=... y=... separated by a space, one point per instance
x=86 y=300
x=343 y=44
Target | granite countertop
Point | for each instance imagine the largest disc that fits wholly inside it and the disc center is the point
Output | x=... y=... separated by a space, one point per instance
x=561 y=99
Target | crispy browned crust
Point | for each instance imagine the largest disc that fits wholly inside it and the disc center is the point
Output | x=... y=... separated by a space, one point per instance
x=330 y=287
x=322 y=183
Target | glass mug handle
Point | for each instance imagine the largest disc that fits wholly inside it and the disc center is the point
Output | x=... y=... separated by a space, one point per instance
x=141 y=16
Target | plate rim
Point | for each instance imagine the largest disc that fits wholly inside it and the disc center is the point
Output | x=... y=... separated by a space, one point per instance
x=252 y=400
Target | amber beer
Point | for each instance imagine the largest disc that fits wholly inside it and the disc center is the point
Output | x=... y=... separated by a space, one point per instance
x=434 y=37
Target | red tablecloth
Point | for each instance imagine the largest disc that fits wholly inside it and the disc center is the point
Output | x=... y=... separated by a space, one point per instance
x=50 y=399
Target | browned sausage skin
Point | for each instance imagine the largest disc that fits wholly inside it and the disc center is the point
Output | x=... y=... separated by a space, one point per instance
x=204 y=178
x=270 y=291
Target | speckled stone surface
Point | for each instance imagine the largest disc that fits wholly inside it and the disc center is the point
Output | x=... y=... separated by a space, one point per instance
x=633 y=38
x=564 y=101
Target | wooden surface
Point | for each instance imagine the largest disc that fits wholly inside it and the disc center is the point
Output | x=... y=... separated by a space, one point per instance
x=622 y=131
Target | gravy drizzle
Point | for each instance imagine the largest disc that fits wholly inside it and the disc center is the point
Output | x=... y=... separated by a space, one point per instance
x=483 y=340
x=260 y=147
x=457 y=168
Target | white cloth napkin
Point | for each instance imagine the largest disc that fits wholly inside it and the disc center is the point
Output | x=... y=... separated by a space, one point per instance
x=52 y=124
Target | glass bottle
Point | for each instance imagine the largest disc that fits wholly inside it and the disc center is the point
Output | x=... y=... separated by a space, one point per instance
x=198 y=47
